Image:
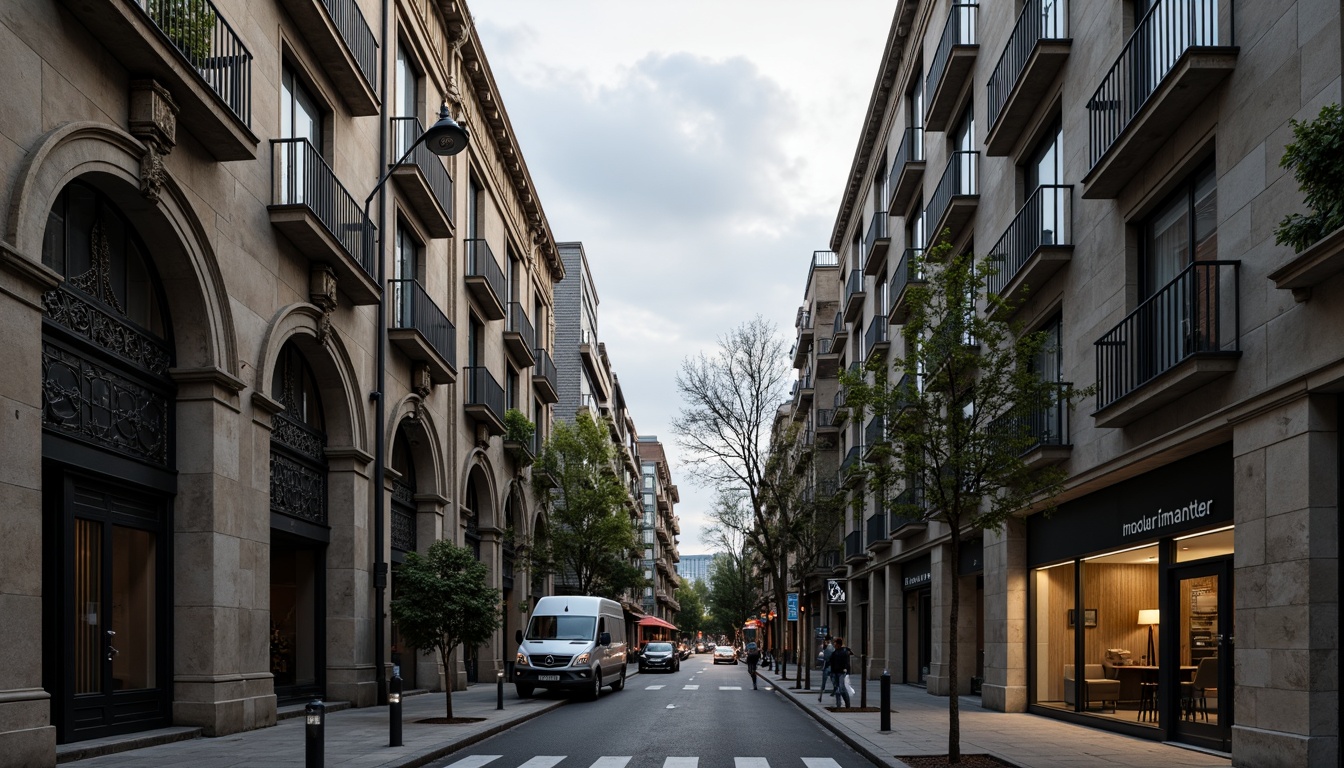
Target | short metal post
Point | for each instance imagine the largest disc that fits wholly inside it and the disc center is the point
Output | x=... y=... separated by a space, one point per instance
x=394 y=710
x=885 y=718
x=784 y=665
x=314 y=734
x=499 y=690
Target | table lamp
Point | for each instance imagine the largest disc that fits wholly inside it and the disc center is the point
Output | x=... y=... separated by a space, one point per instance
x=1149 y=616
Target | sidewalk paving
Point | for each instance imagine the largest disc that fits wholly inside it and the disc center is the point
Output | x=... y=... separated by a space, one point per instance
x=357 y=738
x=919 y=727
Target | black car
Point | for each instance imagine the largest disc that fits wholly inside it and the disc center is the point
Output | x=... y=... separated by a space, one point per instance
x=660 y=656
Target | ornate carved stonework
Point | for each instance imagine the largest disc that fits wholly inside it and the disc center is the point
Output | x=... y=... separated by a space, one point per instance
x=322 y=292
x=421 y=382
x=153 y=120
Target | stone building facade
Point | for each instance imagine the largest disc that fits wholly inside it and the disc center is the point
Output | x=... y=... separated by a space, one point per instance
x=1118 y=166
x=199 y=312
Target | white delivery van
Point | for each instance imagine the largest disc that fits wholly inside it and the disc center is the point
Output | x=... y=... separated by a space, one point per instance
x=573 y=643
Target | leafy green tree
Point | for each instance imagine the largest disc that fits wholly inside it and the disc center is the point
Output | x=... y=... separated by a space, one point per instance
x=955 y=424
x=691 y=617
x=735 y=587
x=591 y=540
x=1316 y=157
x=442 y=601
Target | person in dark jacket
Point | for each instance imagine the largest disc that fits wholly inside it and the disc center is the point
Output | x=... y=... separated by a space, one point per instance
x=840 y=668
x=753 y=658
x=826 y=651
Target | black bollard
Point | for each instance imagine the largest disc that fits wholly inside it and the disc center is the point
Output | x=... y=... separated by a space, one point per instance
x=314 y=736
x=499 y=690
x=394 y=711
x=784 y=666
x=886 y=701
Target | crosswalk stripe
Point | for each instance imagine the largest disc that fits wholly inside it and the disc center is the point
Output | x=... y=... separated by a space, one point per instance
x=611 y=762
x=474 y=761
x=655 y=688
x=820 y=762
x=543 y=761
x=681 y=762
x=730 y=687
x=690 y=687
x=751 y=762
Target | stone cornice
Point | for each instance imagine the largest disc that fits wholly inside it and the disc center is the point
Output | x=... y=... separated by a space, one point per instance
x=481 y=80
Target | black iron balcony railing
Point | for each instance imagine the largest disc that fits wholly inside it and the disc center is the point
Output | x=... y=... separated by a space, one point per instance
x=910 y=150
x=828 y=559
x=877 y=230
x=199 y=32
x=853 y=545
x=1046 y=219
x=804 y=319
x=1159 y=40
x=300 y=176
x=1039 y=20
x=960 y=179
x=824 y=345
x=407 y=130
x=1196 y=313
x=910 y=500
x=413 y=309
x=481 y=263
x=839 y=401
x=839 y=330
x=907 y=388
x=875 y=432
x=482 y=389
x=545 y=366
x=960 y=30
x=825 y=417
x=403 y=529
x=1037 y=427
x=854 y=285
x=877 y=527
x=852 y=458
x=358 y=37
x=520 y=324
x=875 y=336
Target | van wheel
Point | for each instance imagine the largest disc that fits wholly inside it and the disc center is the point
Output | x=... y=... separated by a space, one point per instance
x=619 y=684
x=524 y=691
x=597 y=685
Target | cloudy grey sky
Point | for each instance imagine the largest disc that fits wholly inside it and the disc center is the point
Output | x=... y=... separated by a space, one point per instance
x=698 y=150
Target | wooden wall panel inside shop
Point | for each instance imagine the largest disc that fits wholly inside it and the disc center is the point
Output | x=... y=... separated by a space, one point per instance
x=1118 y=592
x=1054 y=638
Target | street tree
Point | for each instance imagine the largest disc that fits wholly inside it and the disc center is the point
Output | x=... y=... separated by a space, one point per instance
x=729 y=403
x=735 y=589
x=734 y=595
x=590 y=540
x=973 y=398
x=442 y=601
x=691 y=616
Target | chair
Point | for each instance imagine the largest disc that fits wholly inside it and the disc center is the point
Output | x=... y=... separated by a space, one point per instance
x=1096 y=687
x=1197 y=690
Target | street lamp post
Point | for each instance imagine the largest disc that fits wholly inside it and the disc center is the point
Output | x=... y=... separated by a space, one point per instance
x=445 y=138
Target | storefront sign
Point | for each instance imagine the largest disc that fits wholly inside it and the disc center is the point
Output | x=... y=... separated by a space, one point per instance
x=917 y=573
x=792 y=614
x=835 y=591
x=1186 y=495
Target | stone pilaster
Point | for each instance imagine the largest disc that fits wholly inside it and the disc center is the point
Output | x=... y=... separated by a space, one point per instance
x=350 y=595
x=1005 y=687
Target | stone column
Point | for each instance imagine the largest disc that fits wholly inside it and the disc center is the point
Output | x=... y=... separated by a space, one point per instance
x=350 y=595
x=1005 y=687
x=878 y=612
x=1286 y=584
x=27 y=736
x=221 y=576
x=942 y=571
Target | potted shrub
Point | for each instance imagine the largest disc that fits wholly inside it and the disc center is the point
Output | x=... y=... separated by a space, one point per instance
x=1316 y=158
x=518 y=433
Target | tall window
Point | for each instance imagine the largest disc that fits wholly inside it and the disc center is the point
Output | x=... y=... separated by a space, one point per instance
x=914 y=102
x=914 y=226
x=474 y=212
x=405 y=269
x=1045 y=165
x=405 y=100
x=299 y=116
x=1184 y=229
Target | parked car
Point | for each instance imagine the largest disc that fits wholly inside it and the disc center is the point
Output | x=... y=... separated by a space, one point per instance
x=725 y=654
x=660 y=656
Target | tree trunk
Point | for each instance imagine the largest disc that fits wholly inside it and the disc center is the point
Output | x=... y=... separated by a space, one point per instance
x=447 y=682
x=954 y=618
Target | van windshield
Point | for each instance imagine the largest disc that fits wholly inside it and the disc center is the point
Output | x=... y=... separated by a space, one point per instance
x=561 y=628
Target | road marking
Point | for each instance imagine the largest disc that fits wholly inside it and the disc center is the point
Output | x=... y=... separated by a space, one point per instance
x=655 y=688
x=475 y=761
x=690 y=687
x=820 y=762
x=751 y=762
x=671 y=706
x=682 y=762
x=730 y=687
x=543 y=761
x=611 y=762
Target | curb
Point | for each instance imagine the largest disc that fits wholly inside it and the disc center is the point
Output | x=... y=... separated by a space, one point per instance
x=415 y=761
x=843 y=734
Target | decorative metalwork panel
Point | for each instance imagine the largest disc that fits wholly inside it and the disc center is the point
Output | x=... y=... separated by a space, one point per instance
x=403 y=492
x=89 y=321
x=298 y=437
x=93 y=403
x=403 y=529
x=297 y=489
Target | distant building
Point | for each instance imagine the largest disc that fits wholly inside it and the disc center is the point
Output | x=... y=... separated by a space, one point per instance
x=694 y=567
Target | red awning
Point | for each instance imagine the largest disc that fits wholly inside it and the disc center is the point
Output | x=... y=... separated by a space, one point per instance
x=654 y=621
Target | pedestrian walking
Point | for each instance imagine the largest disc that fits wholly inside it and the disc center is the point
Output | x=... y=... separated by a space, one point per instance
x=826 y=651
x=753 y=658
x=840 y=669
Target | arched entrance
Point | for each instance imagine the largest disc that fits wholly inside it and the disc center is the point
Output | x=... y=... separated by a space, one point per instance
x=475 y=507
x=108 y=473
x=300 y=530
x=404 y=540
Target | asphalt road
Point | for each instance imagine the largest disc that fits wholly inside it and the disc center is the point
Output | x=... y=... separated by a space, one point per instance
x=704 y=716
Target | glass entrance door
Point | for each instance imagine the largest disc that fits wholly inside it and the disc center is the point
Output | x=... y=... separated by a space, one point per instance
x=1201 y=710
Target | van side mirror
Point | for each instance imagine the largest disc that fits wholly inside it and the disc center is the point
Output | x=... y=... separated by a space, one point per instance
x=604 y=639
x=518 y=636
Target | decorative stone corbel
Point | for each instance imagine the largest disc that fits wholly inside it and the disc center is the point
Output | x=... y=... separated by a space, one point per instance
x=482 y=437
x=153 y=120
x=421 y=382
x=322 y=292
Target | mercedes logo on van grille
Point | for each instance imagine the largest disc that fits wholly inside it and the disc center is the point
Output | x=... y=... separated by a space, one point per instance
x=550 y=661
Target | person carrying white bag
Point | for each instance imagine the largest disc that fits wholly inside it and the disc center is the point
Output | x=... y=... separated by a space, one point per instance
x=840 y=668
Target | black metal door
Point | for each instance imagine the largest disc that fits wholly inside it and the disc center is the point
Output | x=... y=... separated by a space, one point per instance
x=1200 y=637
